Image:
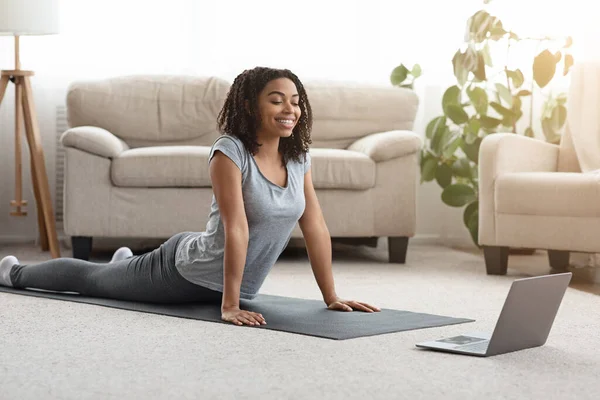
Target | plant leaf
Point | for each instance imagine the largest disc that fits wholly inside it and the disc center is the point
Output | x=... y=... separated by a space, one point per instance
x=517 y=77
x=434 y=125
x=489 y=122
x=471 y=130
x=462 y=168
x=457 y=114
x=505 y=112
x=439 y=140
x=416 y=71
x=558 y=56
x=487 y=57
x=460 y=72
x=451 y=147
x=451 y=96
x=472 y=221
x=458 y=195
x=428 y=169
x=529 y=132
x=504 y=93
x=568 y=64
x=479 y=99
x=523 y=93
x=478 y=25
x=472 y=150
x=479 y=70
x=399 y=75
x=443 y=175
x=544 y=67
x=469 y=210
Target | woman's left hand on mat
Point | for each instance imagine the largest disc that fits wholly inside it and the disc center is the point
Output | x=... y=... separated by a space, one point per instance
x=350 y=305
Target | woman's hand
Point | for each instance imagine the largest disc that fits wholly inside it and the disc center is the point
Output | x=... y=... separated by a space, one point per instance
x=241 y=317
x=349 y=305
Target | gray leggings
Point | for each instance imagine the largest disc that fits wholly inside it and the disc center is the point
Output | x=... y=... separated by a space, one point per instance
x=150 y=277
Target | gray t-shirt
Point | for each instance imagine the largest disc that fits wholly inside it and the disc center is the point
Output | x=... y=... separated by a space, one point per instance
x=272 y=212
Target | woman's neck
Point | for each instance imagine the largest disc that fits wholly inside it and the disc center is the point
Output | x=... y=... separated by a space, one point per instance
x=269 y=149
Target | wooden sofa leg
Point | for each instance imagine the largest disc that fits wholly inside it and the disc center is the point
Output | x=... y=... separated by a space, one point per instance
x=82 y=247
x=496 y=259
x=559 y=259
x=397 y=247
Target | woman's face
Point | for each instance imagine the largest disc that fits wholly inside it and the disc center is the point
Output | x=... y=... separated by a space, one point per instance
x=278 y=107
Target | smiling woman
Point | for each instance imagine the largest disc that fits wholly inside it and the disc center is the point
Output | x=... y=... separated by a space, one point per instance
x=268 y=105
x=261 y=176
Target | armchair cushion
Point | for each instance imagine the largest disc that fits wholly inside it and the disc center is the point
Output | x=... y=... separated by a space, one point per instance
x=384 y=146
x=94 y=140
x=563 y=193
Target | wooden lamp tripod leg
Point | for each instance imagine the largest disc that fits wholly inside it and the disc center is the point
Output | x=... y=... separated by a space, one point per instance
x=3 y=84
x=38 y=172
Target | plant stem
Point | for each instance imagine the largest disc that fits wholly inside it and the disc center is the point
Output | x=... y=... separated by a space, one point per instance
x=508 y=80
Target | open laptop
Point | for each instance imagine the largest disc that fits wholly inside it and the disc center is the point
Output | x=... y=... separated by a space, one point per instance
x=525 y=320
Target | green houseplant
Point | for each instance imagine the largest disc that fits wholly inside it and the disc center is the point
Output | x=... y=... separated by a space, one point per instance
x=488 y=98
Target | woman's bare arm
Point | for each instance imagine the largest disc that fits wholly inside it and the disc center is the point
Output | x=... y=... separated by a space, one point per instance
x=226 y=180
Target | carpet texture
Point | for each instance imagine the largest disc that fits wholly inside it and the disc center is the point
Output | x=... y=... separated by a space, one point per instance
x=67 y=350
x=287 y=314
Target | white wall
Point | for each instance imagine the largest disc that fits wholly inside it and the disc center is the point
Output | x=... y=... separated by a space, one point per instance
x=223 y=37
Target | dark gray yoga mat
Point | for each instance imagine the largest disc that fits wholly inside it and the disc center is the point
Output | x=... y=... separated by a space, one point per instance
x=287 y=314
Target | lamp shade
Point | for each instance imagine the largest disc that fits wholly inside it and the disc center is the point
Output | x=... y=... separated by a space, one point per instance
x=28 y=17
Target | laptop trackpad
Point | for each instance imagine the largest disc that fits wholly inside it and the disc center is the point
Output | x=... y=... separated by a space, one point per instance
x=461 y=340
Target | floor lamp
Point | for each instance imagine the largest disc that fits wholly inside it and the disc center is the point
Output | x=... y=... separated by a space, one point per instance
x=18 y=18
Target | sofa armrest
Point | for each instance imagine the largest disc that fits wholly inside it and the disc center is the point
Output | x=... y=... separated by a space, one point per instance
x=384 y=146
x=94 y=140
x=502 y=153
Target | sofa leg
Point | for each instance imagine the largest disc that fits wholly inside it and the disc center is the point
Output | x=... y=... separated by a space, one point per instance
x=82 y=247
x=559 y=259
x=496 y=259
x=397 y=247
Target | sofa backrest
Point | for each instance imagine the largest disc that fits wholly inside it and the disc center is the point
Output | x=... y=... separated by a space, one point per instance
x=183 y=110
x=343 y=113
x=150 y=110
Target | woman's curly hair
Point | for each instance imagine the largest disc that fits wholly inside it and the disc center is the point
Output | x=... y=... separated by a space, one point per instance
x=234 y=119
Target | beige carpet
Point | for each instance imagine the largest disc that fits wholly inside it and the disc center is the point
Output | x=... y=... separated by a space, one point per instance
x=59 y=350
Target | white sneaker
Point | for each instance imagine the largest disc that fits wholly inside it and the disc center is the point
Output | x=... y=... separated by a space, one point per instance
x=121 y=254
x=5 y=267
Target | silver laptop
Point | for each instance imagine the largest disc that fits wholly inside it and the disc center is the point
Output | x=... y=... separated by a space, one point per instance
x=525 y=320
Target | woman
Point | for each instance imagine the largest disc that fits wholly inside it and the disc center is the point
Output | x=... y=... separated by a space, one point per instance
x=261 y=175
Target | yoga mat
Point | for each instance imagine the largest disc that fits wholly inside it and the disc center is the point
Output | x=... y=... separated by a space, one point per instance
x=287 y=314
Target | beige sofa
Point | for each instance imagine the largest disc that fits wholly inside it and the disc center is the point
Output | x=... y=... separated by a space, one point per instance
x=542 y=196
x=137 y=151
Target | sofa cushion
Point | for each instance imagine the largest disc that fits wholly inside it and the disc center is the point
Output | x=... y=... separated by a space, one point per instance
x=342 y=169
x=162 y=166
x=548 y=193
x=187 y=166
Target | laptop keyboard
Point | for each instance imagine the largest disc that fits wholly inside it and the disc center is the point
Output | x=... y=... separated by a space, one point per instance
x=479 y=347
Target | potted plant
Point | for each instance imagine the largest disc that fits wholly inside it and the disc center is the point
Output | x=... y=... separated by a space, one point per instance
x=488 y=97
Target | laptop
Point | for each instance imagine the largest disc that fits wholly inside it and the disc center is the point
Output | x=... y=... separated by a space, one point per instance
x=524 y=322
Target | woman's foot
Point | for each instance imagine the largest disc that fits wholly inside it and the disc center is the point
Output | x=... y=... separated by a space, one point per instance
x=5 y=266
x=122 y=254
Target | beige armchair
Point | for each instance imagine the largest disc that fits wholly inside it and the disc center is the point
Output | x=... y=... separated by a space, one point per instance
x=537 y=195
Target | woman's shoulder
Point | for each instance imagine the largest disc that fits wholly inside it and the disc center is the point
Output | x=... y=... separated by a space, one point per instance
x=233 y=148
x=226 y=139
x=302 y=164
